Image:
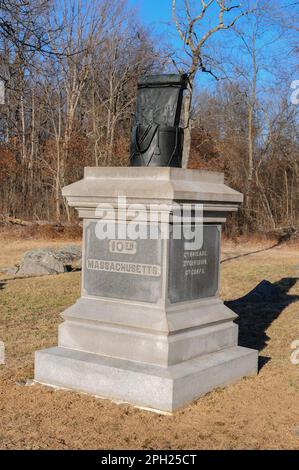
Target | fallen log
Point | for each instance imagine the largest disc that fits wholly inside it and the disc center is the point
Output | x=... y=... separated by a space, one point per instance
x=6 y=220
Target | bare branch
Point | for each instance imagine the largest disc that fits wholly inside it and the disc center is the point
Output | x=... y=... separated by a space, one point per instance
x=176 y=21
x=194 y=42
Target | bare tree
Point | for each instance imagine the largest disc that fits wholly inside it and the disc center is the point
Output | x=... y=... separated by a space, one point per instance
x=24 y=27
x=83 y=30
x=126 y=54
x=189 y=22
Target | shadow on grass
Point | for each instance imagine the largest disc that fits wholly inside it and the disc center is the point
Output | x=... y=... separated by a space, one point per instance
x=258 y=309
x=2 y=284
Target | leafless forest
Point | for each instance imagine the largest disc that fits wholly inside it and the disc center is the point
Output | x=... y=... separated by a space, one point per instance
x=70 y=70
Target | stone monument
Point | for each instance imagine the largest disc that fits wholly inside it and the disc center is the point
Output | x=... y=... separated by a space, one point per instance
x=149 y=328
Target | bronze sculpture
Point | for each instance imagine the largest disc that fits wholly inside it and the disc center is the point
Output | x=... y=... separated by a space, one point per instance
x=157 y=138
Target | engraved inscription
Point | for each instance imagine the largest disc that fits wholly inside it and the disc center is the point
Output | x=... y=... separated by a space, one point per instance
x=194 y=274
x=127 y=247
x=124 y=267
x=121 y=269
x=195 y=262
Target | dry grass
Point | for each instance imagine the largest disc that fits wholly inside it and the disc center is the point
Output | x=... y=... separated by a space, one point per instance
x=255 y=413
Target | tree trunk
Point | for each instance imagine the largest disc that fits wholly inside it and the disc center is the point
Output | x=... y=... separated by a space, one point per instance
x=250 y=158
x=187 y=119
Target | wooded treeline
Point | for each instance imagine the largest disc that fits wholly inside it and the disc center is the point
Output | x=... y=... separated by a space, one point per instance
x=70 y=72
x=262 y=162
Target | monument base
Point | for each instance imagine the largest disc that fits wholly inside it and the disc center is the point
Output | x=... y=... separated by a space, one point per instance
x=144 y=385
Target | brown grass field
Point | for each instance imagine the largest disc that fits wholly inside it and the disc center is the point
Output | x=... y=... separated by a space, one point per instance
x=260 y=412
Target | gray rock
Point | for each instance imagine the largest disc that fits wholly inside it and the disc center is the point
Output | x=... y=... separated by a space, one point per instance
x=11 y=270
x=50 y=261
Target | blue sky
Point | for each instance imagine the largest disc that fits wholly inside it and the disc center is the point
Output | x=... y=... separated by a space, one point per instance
x=157 y=13
x=153 y=11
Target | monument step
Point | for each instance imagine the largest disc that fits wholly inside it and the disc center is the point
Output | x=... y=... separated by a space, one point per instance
x=145 y=347
x=144 y=385
x=153 y=318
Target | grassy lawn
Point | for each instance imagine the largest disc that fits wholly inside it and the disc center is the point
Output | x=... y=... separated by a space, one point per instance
x=255 y=413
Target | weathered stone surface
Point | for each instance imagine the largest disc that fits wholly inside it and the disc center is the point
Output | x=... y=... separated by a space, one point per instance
x=11 y=270
x=152 y=183
x=2 y=353
x=50 y=261
x=193 y=274
x=145 y=385
x=116 y=271
x=144 y=346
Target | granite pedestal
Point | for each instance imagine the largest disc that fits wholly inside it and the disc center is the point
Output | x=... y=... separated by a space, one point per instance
x=149 y=328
